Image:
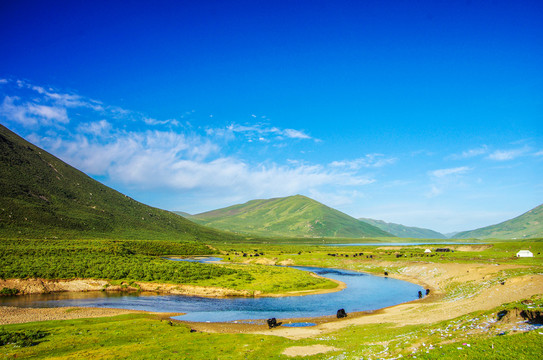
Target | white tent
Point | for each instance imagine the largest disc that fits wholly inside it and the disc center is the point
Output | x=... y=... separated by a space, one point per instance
x=525 y=253
x=427 y=251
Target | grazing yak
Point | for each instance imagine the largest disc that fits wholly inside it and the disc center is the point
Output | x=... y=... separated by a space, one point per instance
x=273 y=323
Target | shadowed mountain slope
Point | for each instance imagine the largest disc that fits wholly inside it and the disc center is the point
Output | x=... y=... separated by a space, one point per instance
x=527 y=225
x=293 y=216
x=404 y=231
x=43 y=197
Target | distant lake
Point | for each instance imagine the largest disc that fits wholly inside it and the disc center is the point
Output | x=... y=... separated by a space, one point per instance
x=405 y=244
x=364 y=292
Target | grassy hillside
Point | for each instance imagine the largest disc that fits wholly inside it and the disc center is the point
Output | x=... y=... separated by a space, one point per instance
x=290 y=216
x=527 y=225
x=43 y=197
x=404 y=231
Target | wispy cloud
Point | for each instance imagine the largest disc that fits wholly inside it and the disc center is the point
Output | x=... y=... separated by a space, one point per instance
x=151 y=121
x=32 y=114
x=447 y=172
x=495 y=155
x=295 y=134
x=258 y=132
x=470 y=153
x=180 y=163
x=444 y=179
x=434 y=191
x=118 y=145
x=504 y=155
x=368 y=161
x=264 y=130
x=97 y=128
x=39 y=106
x=63 y=99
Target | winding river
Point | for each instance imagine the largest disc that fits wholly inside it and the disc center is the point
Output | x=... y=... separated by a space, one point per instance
x=364 y=292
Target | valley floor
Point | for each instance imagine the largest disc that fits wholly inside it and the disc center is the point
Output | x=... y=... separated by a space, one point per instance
x=459 y=314
x=438 y=306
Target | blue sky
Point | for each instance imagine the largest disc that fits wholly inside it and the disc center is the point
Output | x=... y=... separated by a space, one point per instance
x=425 y=113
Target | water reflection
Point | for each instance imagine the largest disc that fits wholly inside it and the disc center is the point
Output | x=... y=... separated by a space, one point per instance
x=363 y=293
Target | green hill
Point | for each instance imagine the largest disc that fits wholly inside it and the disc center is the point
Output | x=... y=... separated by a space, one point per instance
x=527 y=225
x=404 y=231
x=293 y=216
x=43 y=197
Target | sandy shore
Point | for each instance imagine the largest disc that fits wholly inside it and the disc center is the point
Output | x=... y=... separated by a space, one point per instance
x=16 y=315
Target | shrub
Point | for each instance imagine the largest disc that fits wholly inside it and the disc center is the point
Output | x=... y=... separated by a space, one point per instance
x=8 y=291
x=21 y=338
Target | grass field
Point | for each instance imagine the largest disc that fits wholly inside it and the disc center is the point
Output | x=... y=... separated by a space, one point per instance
x=147 y=336
x=472 y=335
x=138 y=260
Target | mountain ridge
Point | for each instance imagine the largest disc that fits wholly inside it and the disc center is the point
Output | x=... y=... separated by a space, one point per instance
x=525 y=226
x=404 y=231
x=42 y=196
x=290 y=216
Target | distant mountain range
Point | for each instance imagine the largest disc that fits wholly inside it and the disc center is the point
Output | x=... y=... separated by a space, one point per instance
x=293 y=216
x=527 y=225
x=41 y=196
x=405 y=231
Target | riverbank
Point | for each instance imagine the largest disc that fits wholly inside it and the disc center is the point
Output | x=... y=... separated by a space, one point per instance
x=18 y=315
x=46 y=286
x=444 y=302
x=456 y=290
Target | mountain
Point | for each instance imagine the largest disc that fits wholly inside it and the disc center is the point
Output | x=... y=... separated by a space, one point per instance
x=527 y=225
x=186 y=215
x=404 y=231
x=41 y=196
x=293 y=216
x=451 y=234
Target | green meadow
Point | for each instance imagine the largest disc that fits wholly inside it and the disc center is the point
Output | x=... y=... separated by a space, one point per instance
x=474 y=335
x=146 y=336
x=139 y=260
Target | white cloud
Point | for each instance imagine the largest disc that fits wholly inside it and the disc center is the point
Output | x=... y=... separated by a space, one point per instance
x=97 y=128
x=504 y=155
x=108 y=141
x=369 y=161
x=31 y=114
x=257 y=131
x=174 y=161
x=434 y=191
x=295 y=134
x=447 y=172
x=66 y=100
x=12 y=112
x=48 y=113
x=445 y=179
x=470 y=153
x=150 y=121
